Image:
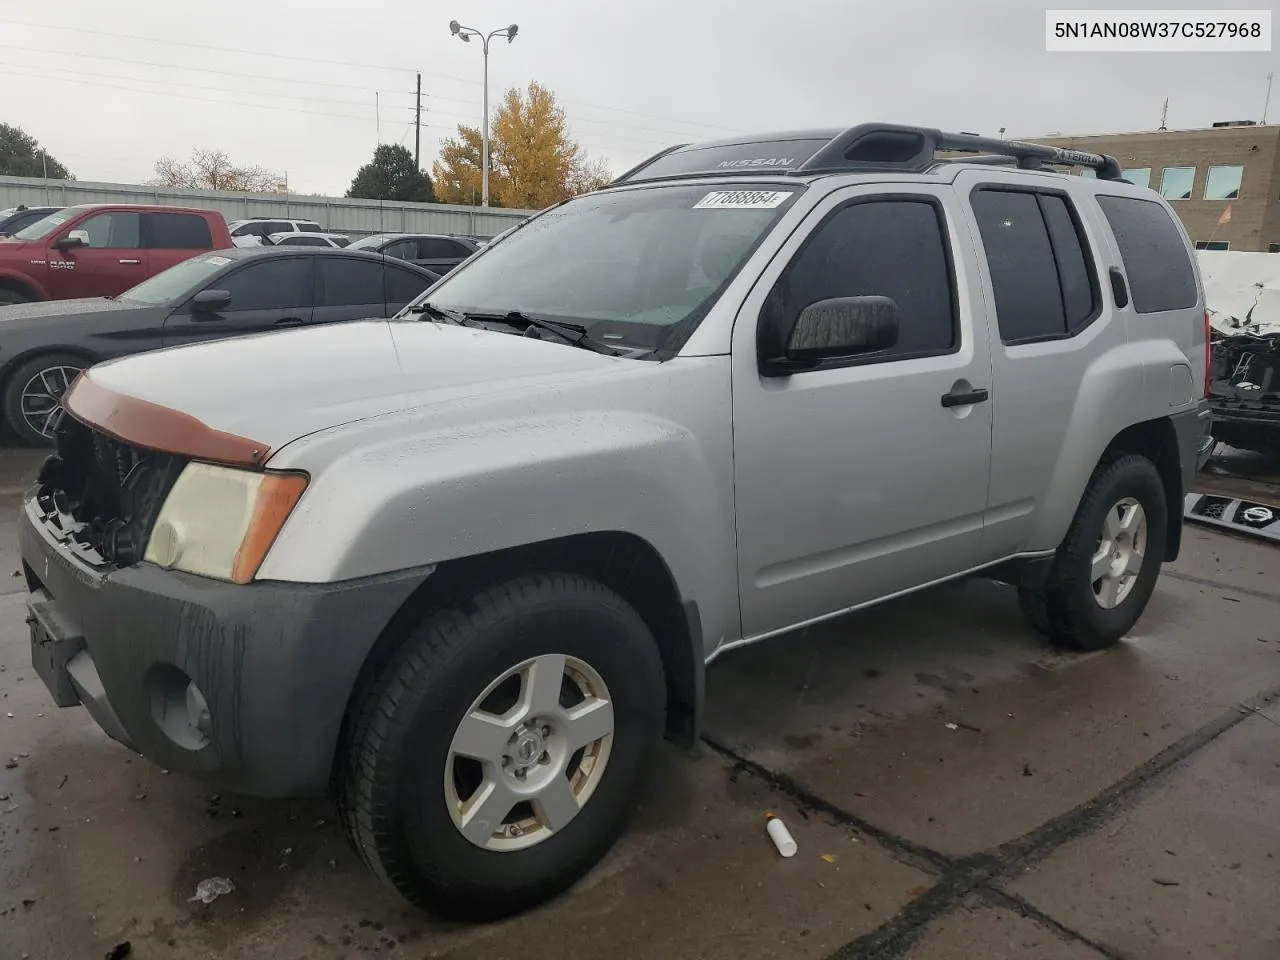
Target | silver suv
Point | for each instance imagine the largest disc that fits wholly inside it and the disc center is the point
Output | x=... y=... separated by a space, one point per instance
x=466 y=566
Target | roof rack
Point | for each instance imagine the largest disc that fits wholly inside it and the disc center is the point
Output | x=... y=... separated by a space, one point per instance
x=886 y=146
x=865 y=148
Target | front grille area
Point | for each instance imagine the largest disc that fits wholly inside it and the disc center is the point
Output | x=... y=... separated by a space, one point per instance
x=101 y=496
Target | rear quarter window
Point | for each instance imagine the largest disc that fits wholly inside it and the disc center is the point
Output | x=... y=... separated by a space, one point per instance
x=1155 y=257
x=178 y=231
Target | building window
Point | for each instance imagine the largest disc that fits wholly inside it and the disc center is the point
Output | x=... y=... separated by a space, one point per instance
x=1139 y=177
x=1213 y=245
x=1175 y=182
x=1223 y=183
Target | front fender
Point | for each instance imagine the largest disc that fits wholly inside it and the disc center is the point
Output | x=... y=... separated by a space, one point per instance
x=407 y=502
x=25 y=280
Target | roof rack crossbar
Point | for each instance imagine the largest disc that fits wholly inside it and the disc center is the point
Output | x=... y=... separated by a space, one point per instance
x=887 y=146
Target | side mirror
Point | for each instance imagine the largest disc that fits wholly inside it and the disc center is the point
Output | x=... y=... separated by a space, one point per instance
x=210 y=301
x=76 y=238
x=840 y=327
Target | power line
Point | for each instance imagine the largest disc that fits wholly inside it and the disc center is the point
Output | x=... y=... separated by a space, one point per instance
x=328 y=62
x=193 y=86
x=182 y=66
x=186 y=96
x=208 y=46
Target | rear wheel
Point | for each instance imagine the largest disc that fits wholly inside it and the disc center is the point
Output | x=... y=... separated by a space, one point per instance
x=32 y=400
x=496 y=757
x=8 y=296
x=1106 y=568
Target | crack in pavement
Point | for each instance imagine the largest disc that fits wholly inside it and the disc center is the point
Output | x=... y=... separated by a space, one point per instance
x=981 y=873
x=1024 y=908
x=1225 y=587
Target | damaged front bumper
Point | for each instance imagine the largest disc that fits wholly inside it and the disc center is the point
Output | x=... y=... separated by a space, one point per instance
x=1244 y=391
x=243 y=685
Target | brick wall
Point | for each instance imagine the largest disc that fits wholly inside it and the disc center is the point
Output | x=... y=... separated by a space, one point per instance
x=1255 y=216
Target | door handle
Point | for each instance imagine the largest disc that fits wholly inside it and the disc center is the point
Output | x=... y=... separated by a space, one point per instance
x=964 y=399
x=130 y=261
x=289 y=322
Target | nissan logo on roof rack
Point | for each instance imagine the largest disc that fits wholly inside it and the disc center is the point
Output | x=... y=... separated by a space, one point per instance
x=760 y=162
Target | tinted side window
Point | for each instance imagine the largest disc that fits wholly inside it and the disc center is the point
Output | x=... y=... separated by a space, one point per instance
x=178 y=231
x=889 y=248
x=1155 y=258
x=306 y=226
x=274 y=284
x=403 y=286
x=277 y=226
x=351 y=282
x=1079 y=290
x=1024 y=277
x=403 y=249
x=303 y=242
x=438 y=248
x=114 y=231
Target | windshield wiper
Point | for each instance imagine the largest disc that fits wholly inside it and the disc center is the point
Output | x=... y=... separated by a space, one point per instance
x=443 y=313
x=573 y=333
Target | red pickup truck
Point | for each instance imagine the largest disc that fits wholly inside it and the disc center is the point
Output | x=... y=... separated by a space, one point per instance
x=101 y=250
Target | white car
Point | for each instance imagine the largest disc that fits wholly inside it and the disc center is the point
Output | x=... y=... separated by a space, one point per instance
x=252 y=232
x=301 y=239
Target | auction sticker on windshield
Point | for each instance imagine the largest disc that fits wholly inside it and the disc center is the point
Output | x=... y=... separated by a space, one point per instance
x=742 y=200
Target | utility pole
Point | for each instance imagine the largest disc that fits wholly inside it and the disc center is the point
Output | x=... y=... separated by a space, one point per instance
x=417 y=129
x=465 y=34
x=1267 y=102
x=377 y=115
x=1164 y=115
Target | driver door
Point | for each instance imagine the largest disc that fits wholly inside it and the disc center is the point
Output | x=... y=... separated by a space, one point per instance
x=856 y=479
x=267 y=293
x=111 y=263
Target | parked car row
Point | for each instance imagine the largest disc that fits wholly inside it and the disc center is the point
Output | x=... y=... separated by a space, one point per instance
x=211 y=296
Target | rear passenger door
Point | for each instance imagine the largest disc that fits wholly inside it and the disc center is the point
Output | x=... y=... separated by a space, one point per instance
x=171 y=238
x=267 y=293
x=1042 y=278
x=856 y=479
x=349 y=288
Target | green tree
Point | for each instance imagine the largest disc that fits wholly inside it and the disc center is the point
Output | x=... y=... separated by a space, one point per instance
x=392 y=176
x=22 y=156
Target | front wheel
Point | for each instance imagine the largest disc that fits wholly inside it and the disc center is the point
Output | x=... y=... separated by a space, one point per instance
x=32 y=399
x=496 y=757
x=1106 y=568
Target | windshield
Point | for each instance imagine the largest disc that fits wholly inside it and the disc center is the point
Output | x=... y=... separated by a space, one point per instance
x=175 y=282
x=635 y=266
x=42 y=227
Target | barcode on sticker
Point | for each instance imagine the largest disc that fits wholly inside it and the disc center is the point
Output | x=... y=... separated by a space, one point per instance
x=742 y=200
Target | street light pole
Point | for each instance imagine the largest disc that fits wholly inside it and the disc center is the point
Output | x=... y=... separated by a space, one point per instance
x=465 y=34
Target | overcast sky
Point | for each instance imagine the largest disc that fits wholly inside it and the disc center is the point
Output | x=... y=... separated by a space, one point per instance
x=290 y=84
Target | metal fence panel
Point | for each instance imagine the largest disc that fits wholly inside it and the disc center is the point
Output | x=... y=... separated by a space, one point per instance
x=335 y=214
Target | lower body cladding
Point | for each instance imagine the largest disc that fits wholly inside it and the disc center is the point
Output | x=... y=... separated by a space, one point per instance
x=246 y=686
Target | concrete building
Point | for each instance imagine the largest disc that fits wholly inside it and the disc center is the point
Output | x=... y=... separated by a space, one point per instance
x=1204 y=173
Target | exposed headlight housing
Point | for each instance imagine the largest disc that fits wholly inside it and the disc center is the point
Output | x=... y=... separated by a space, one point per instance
x=220 y=522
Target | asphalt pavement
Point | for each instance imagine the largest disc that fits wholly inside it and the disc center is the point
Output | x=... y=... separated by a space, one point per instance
x=957 y=789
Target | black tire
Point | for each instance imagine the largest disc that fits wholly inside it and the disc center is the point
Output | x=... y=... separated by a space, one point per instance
x=11 y=400
x=8 y=297
x=1066 y=609
x=390 y=778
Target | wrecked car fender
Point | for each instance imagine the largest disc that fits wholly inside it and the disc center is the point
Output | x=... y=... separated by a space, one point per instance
x=427 y=487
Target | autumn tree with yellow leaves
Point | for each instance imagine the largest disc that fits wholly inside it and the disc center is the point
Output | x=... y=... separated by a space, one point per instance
x=533 y=161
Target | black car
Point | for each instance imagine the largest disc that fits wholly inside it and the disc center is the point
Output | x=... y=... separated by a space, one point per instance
x=434 y=251
x=225 y=293
x=16 y=218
